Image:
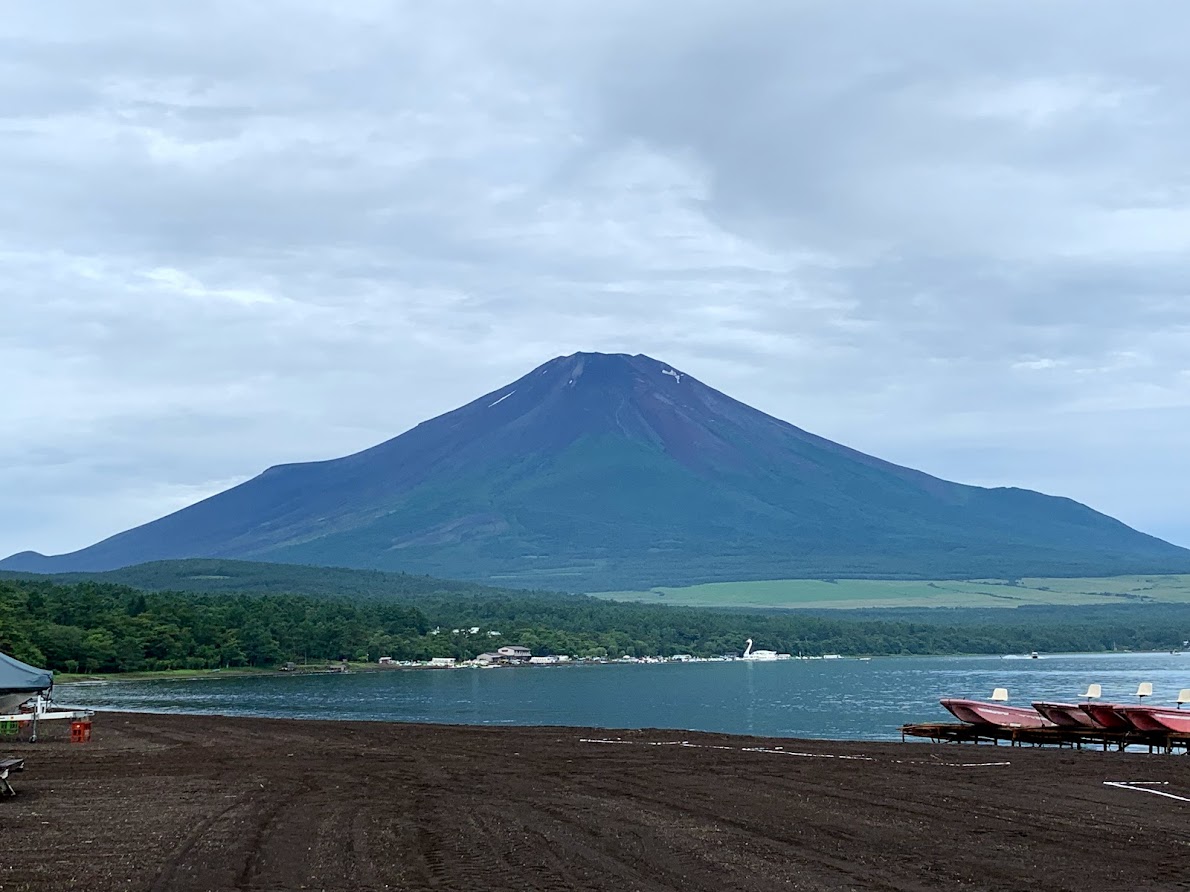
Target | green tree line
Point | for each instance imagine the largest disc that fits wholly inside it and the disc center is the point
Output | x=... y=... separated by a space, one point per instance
x=95 y=627
x=101 y=627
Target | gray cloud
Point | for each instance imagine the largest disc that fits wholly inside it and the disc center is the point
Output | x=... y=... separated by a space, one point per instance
x=234 y=236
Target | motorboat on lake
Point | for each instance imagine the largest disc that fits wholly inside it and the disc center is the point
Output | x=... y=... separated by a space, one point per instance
x=997 y=713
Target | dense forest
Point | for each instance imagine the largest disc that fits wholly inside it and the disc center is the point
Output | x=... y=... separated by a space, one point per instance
x=212 y=575
x=102 y=627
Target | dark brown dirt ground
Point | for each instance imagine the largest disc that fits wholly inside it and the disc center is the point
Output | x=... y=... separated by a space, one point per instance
x=194 y=803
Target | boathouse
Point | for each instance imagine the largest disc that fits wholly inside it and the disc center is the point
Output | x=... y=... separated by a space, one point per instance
x=515 y=654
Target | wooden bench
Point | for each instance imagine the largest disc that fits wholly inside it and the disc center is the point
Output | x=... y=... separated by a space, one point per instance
x=7 y=766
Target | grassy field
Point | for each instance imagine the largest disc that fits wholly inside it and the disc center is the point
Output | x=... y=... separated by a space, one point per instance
x=856 y=593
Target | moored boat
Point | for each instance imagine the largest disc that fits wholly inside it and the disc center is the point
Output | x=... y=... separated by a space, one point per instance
x=1107 y=716
x=1126 y=716
x=997 y=714
x=1160 y=718
x=1065 y=715
x=1143 y=718
x=1103 y=715
x=961 y=711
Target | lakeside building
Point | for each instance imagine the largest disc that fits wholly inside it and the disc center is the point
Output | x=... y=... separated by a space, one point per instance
x=511 y=654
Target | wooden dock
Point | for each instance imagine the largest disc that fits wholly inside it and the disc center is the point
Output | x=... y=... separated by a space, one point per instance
x=1077 y=738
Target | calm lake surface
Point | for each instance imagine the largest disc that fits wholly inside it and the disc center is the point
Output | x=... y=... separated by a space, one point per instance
x=838 y=699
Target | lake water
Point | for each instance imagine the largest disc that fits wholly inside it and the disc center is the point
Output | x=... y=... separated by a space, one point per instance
x=841 y=699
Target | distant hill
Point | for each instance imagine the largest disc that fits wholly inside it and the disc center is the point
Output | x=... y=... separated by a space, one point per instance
x=217 y=575
x=614 y=472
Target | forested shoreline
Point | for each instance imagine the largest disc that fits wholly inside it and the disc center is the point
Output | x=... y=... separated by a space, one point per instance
x=103 y=628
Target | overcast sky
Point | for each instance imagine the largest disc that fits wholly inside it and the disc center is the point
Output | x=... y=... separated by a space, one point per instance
x=954 y=235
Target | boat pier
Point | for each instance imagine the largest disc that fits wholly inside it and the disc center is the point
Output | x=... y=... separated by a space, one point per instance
x=1076 y=738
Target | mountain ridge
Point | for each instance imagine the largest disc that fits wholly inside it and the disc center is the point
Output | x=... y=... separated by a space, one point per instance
x=226 y=576
x=597 y=470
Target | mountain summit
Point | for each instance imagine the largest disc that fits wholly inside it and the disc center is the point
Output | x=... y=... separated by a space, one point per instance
x=600 y=471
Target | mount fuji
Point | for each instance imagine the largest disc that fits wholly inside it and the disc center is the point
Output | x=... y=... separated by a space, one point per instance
x=599 y=471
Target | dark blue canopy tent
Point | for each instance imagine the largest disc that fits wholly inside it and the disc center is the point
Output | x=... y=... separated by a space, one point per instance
x=20 y=681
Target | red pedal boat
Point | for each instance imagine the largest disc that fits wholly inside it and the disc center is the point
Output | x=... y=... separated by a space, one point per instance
x=1142 y=718
x=1103 y=715
x=1106 y=716
x=1150 y=719
x=998 y=714
x=1161 y=718
x=1065 y=715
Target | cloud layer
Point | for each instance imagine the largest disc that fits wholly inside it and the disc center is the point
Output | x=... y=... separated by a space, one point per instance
x=236 y=235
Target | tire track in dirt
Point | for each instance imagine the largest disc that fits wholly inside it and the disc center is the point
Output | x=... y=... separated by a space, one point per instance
x=185 y=803
x=165 y=879
x=262 y=827
x=752 y=849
